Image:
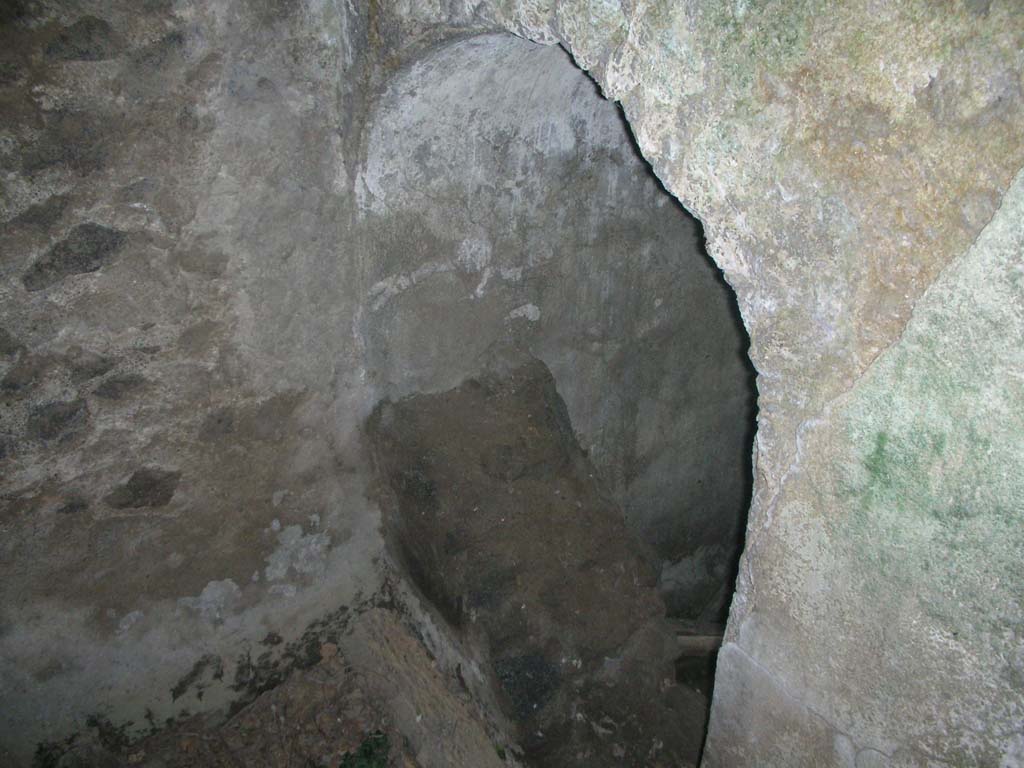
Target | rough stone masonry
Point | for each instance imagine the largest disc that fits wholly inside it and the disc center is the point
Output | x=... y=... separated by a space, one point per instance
x=218 y=257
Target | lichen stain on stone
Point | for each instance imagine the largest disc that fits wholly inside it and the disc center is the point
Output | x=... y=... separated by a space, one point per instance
x=217 y=602
x=933 y=510
x=302 y=553
x=875 y=462
x=761 y=35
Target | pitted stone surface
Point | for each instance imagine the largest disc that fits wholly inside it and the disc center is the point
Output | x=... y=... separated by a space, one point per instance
x=850 y=163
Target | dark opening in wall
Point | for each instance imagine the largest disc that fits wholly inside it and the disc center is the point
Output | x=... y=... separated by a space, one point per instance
x=226 y=252
x=567 y=409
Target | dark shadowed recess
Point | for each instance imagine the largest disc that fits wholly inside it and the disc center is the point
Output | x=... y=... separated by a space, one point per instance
x=749 y=415
x=695 y=666
x=576 y=526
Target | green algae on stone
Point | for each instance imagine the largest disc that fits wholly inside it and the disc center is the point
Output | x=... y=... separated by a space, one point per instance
x=936 y=439
x=761 y=35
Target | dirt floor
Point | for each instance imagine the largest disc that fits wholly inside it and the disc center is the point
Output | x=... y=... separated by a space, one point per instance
x=499 y=519
x=522 y=625
x=321 y=716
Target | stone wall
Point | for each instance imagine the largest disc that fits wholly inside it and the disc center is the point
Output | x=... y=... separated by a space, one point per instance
x=233 y=228
x=853 y=167
x=181 y=215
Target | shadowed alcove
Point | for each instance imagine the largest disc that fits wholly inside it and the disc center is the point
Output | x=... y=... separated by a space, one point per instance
x=567 y=408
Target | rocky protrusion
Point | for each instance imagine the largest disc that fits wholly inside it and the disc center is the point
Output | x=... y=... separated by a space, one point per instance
x=87 y=248
x=25 y=374
x=9 y=345
x=147 y=487
x=117 y=387
x=44 y=214
x=85 y=365
x=88 y=39
x=73 y=139
x=60 y=419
